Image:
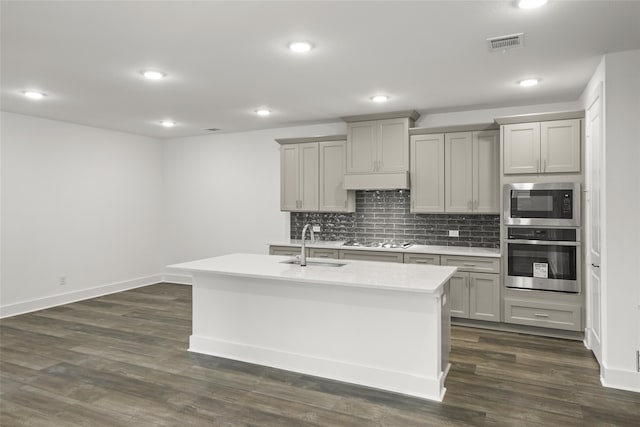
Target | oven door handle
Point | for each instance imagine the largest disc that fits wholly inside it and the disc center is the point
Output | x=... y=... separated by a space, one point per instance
x=542 y=242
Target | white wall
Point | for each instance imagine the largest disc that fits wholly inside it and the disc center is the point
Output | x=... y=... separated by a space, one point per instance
x=222 y=192
x=621 y=234
x=78 y=202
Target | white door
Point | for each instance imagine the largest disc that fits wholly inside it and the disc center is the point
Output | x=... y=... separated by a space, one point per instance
x=593 y=131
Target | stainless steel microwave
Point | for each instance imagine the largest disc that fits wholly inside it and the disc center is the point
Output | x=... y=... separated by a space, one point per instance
x=542 y=204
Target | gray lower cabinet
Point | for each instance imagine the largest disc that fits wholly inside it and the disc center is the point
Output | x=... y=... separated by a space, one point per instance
x=543 y=309
x=475 y=288
x=285 y=250
x=372 y=256
x=421 y=259
x=324 y=253
x=459 y=295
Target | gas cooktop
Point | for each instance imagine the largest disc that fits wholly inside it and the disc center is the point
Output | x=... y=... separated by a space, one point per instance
x=389 y=244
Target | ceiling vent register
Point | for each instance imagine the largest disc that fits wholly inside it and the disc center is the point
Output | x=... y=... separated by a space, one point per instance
x=502 y=43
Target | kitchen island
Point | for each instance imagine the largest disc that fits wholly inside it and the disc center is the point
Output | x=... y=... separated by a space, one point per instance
x=374 y=324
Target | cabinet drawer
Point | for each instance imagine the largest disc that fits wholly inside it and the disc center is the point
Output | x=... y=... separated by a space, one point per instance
x=371 y=256
x=542 y=314
x=324 y=253
x=470 y=263
x=422 y=259
x=285 y=250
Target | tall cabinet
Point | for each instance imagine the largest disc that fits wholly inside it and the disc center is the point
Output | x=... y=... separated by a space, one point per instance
x=312 y=174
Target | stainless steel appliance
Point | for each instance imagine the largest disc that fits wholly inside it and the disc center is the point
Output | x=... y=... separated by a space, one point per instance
x=391 y=244
x=546 y=259
x=542 y=204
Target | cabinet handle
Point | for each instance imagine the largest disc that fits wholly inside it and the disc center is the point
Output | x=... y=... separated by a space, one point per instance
x=345 y=204
x=538 y=165
x=595 y=265
x=540 y=315
x=469 y=205
x=475 y=204
x=544 y=165
x=468 y=264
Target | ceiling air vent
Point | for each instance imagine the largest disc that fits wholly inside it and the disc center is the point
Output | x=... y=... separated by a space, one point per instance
x=502 y=43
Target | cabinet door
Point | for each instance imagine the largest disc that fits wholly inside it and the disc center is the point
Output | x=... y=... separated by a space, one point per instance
x=427 y=173
x=521 y=148
x=486 y=172
x=361 y=146
x=484 y=296
x=393 y=145
x=459 y=295
x=560 y=146
x=333 y=197
x=458 y=153
x=289 y=177
x=309 y=176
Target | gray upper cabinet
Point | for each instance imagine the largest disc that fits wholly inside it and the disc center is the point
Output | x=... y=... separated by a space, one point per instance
x=299 y=177
x=312 y=174
x=378 y=146
x=378 y=151
x=472 y=172
x=333 y=196
x=542 y=147
x=427 y=173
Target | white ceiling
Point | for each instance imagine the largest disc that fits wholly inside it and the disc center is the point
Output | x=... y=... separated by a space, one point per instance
x=225 y=59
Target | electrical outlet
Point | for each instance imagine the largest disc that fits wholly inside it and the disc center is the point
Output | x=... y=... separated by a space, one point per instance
x=454 y=233
x=62 y=281
x=316 y=228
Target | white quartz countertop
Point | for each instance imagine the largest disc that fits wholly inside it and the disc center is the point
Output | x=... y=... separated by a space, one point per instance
x=421 y=249
x=363 y=274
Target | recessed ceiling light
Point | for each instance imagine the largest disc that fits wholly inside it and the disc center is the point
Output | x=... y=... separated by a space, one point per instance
x=168 y=123
x=300 y=47
x=32 y=94
x=263 y=112
x=530 y=4
x=153 y=75
x=380 y=98
x=528 y=82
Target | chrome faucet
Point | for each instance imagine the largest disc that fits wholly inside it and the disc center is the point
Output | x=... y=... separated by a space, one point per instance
x=303 y=255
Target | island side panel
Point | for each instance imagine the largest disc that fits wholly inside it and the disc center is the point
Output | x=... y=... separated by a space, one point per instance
x=384 y=339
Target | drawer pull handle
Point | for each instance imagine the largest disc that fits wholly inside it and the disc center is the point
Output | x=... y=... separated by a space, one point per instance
x=540 y=315
x=468 y=264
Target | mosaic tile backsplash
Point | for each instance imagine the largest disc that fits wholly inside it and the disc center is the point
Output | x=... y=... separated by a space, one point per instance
x=384 y=215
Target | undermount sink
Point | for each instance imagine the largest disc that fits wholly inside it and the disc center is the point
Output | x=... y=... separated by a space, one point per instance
x=315 y=263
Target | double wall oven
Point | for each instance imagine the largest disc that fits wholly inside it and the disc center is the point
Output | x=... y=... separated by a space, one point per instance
x=543 y=236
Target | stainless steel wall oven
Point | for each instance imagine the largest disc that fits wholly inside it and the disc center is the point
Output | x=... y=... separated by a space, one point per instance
x=546 y=259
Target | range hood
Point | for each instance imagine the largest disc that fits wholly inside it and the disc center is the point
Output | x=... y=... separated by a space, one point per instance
x=376 y=181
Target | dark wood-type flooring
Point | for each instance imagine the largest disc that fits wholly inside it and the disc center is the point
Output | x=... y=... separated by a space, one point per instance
x=121 y=360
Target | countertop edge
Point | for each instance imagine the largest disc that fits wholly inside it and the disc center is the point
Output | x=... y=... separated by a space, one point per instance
x=415 y=249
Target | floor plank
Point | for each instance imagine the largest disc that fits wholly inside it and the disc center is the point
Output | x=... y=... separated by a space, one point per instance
x=122 y=359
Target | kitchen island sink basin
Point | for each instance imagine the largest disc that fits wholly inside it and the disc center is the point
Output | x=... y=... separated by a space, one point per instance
x=315 y=263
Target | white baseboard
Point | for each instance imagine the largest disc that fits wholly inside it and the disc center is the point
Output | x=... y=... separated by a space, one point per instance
x=180 y=279
x=370 y=376
x=620 y=379
x=79 y=295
